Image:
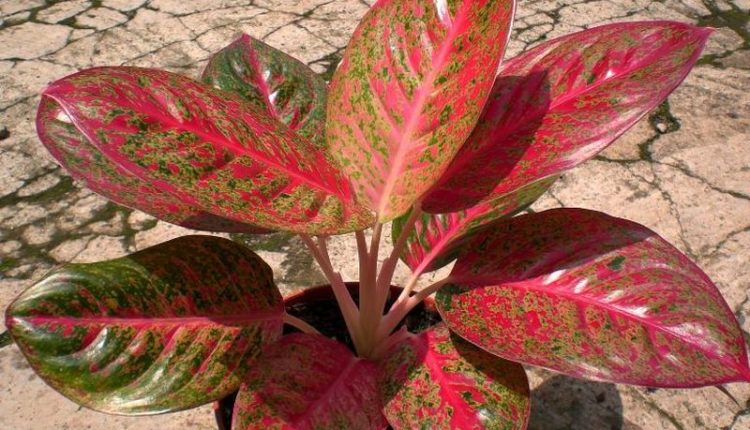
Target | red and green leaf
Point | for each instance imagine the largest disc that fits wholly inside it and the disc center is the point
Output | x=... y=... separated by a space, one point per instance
x=209 y=148
x=167 y=328
x=408 y=92
x=562 y=102
x=593 y=296
x=437 y=238
x=285 y=88
x=85 y=163
x=438 y=381
x=308 y=381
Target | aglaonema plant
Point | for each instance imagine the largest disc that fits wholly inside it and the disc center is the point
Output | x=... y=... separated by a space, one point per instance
x=418 y=128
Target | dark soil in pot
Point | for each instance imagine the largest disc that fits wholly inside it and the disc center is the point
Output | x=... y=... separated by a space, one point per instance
x=317 y=306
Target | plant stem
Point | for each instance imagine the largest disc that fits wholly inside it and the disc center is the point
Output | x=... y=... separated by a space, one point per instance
x=361 y=249
x=299 y=324
x=410 y=283
x=395 y=338
x=343 y=298
x=370 y=315
x=399 y=310
x=389 y=265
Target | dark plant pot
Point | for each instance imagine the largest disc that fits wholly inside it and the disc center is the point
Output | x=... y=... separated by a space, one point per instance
x=317 y=306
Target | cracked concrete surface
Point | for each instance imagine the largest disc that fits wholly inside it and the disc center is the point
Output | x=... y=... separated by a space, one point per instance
x=683 y=171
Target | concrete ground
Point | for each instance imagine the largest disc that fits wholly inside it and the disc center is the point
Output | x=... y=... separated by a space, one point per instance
x=684 y=172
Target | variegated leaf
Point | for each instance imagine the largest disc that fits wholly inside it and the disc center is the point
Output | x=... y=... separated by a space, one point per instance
x=438 y=381
x=85 y=163
x=408 y=92
x=437 y=238
x=279 y=84
x=208 y=148
x=593 y=296
x=562 y=102
x=306 y=382
x=167 y=328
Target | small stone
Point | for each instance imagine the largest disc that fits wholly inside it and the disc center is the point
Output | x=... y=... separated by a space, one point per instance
x=12 y=217
x=38 y=234
x=100 y=18
x=81 y=212
x=39 y=185
x=9 y=247
x=9 y=290
x=111 y=227
x=16 y=18
x=81 y=33
x=299 y=43
x=139 y=220
x=67 y=251
x=661 y=127
x=742 y=422
x=4 y=133
x=24 y=41
x=21 y=272
x=123 y=5
x=11 y=7
x=62 y=11
x=101 y=248
x=163 y=232
x=739 y=59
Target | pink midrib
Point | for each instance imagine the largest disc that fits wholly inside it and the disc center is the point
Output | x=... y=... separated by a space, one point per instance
x=405 y=141
x=499 y=134
x=170 y=121
x=262 y=83
x=323 y=399
x=256 y=316
x=557 y=293
x=436 y=371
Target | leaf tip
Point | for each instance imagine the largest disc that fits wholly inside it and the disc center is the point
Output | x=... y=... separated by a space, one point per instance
x=745 y=373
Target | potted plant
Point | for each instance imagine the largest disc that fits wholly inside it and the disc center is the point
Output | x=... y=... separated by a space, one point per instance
x=417 y=128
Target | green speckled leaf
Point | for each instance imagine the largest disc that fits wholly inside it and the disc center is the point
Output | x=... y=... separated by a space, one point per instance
x=209 y=149
x=306 y=382
x=167 y=328
x=436 y=380
x=281 y=85
x=595 y=297
x=562 y=102
x=408 y=92
x=98 y=173
x=437 y=238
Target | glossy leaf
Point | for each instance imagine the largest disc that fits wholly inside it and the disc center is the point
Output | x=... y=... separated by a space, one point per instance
x=208 y=148
x=308 y=381
x=437 y=238
x=167 y=328
x=85 y=163
x=438 y=381
x=562 y=102
x=408 y=92
x=279 y=84
x=593 y=296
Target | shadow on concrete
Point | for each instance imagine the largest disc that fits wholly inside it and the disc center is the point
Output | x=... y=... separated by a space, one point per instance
x=565 y=403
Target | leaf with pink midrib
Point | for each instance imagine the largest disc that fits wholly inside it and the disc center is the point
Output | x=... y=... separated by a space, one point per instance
x=308 y=381
x=408 y=92
x=596 y=297
x=437 y=238
x=167 y=328
x=281 y=85
x=439 y=381
x=83 y=161
x=209 y=148
x=563 y=101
